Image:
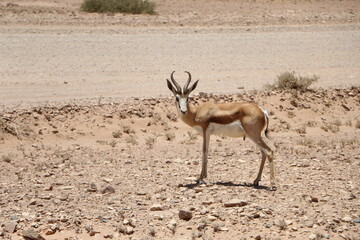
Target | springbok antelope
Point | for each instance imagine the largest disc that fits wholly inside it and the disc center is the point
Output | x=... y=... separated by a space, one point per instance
x=229 y=119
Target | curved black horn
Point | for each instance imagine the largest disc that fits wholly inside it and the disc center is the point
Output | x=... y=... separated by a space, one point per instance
x=187 y=83
x=178 y=88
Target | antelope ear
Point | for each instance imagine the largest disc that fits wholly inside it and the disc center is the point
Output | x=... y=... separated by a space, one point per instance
x=171 y=87
x=192 y=88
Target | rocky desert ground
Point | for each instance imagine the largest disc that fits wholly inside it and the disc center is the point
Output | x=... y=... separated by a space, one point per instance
x=94 y=163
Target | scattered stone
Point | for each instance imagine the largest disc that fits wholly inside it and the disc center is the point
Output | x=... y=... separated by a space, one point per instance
x=156 y=207
x=280 y=223
x=121 y=228
x=50 y=232
x=185 y=215
x=212 y=218
x=172 y=225
x=257 y=237
x=92 y=188
x=30 y=234
x=347 y=219
x=236 y=203
x=109 y=236
x=129 y=230
x=10 y=227
x=356 y=220
x=308 y=223
x=207 y=202
x=312 y=237
x=324 y=235
x=108 y=190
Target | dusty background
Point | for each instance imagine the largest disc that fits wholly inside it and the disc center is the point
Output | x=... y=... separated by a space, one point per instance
x=90 y=144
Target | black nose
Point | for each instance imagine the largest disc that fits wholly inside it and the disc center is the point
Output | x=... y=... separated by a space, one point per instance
x=183 y=112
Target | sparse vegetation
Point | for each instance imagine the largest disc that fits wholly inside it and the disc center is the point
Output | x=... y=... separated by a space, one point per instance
x=116 y=134
x=289 y=81
x=330 y=127
x=122 y=6
x=150 y=141
x=307 y=142
x=337 y=123
x=128 y=130
x=301 y=130
x=131 y=140
x=311 y=123
x=152 y=232
x=170 y=136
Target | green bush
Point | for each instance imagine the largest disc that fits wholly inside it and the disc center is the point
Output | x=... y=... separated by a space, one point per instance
x=124 y=6
x=288 y=81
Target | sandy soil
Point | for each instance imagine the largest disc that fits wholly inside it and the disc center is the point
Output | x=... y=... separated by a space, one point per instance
x=90 y=143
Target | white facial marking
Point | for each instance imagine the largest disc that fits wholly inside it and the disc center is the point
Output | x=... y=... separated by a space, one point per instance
x=182 y=105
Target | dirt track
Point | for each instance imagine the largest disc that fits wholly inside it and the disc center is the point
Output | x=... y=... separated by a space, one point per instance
x=60 y=66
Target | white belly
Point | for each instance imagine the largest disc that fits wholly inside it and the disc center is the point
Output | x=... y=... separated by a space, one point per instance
x=233 y=129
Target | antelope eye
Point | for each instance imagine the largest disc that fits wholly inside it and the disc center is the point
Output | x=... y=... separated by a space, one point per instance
x=177 y=98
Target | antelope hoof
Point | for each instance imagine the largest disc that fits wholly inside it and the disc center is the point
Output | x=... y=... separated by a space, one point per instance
x=256 y=183
x=200 y=181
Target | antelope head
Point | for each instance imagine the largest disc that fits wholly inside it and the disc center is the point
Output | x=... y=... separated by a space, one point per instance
x=181 y=95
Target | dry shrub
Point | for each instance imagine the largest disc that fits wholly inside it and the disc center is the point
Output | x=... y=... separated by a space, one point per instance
x=131 y=139
x=150 y=142
x=128 y=130
x=289 y=81
x=337 y=123
x=301 y=130
x=307 y=142
x=123 y=6
x=116 y=134
x=152 y=232
x=311 y=123
x=170 y=136
x=330 y=127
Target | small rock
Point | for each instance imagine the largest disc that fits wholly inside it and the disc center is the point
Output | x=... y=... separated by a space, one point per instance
x=308 y=223
x=257 y=237
x=156 y=207
x=92 y=188
x=108 y=189
x=173 y=222
x=280 y=223
x=32 y=202
x=50 y=232
x=110 y=236
x=324 y=235
x=212 y=218
x=30 y=234
x=185 y=215
x=10 y=227
x=312 y=237
x=347 y=219
x=129 y=230
x=236 y=203
x=314 y=199
x=356 y=220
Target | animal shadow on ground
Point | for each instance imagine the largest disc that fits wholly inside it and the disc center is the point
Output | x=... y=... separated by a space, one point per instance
x=229 y=184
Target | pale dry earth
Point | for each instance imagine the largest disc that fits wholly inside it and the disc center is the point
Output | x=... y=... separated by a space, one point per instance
x=123 y=171
x=90 y=144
